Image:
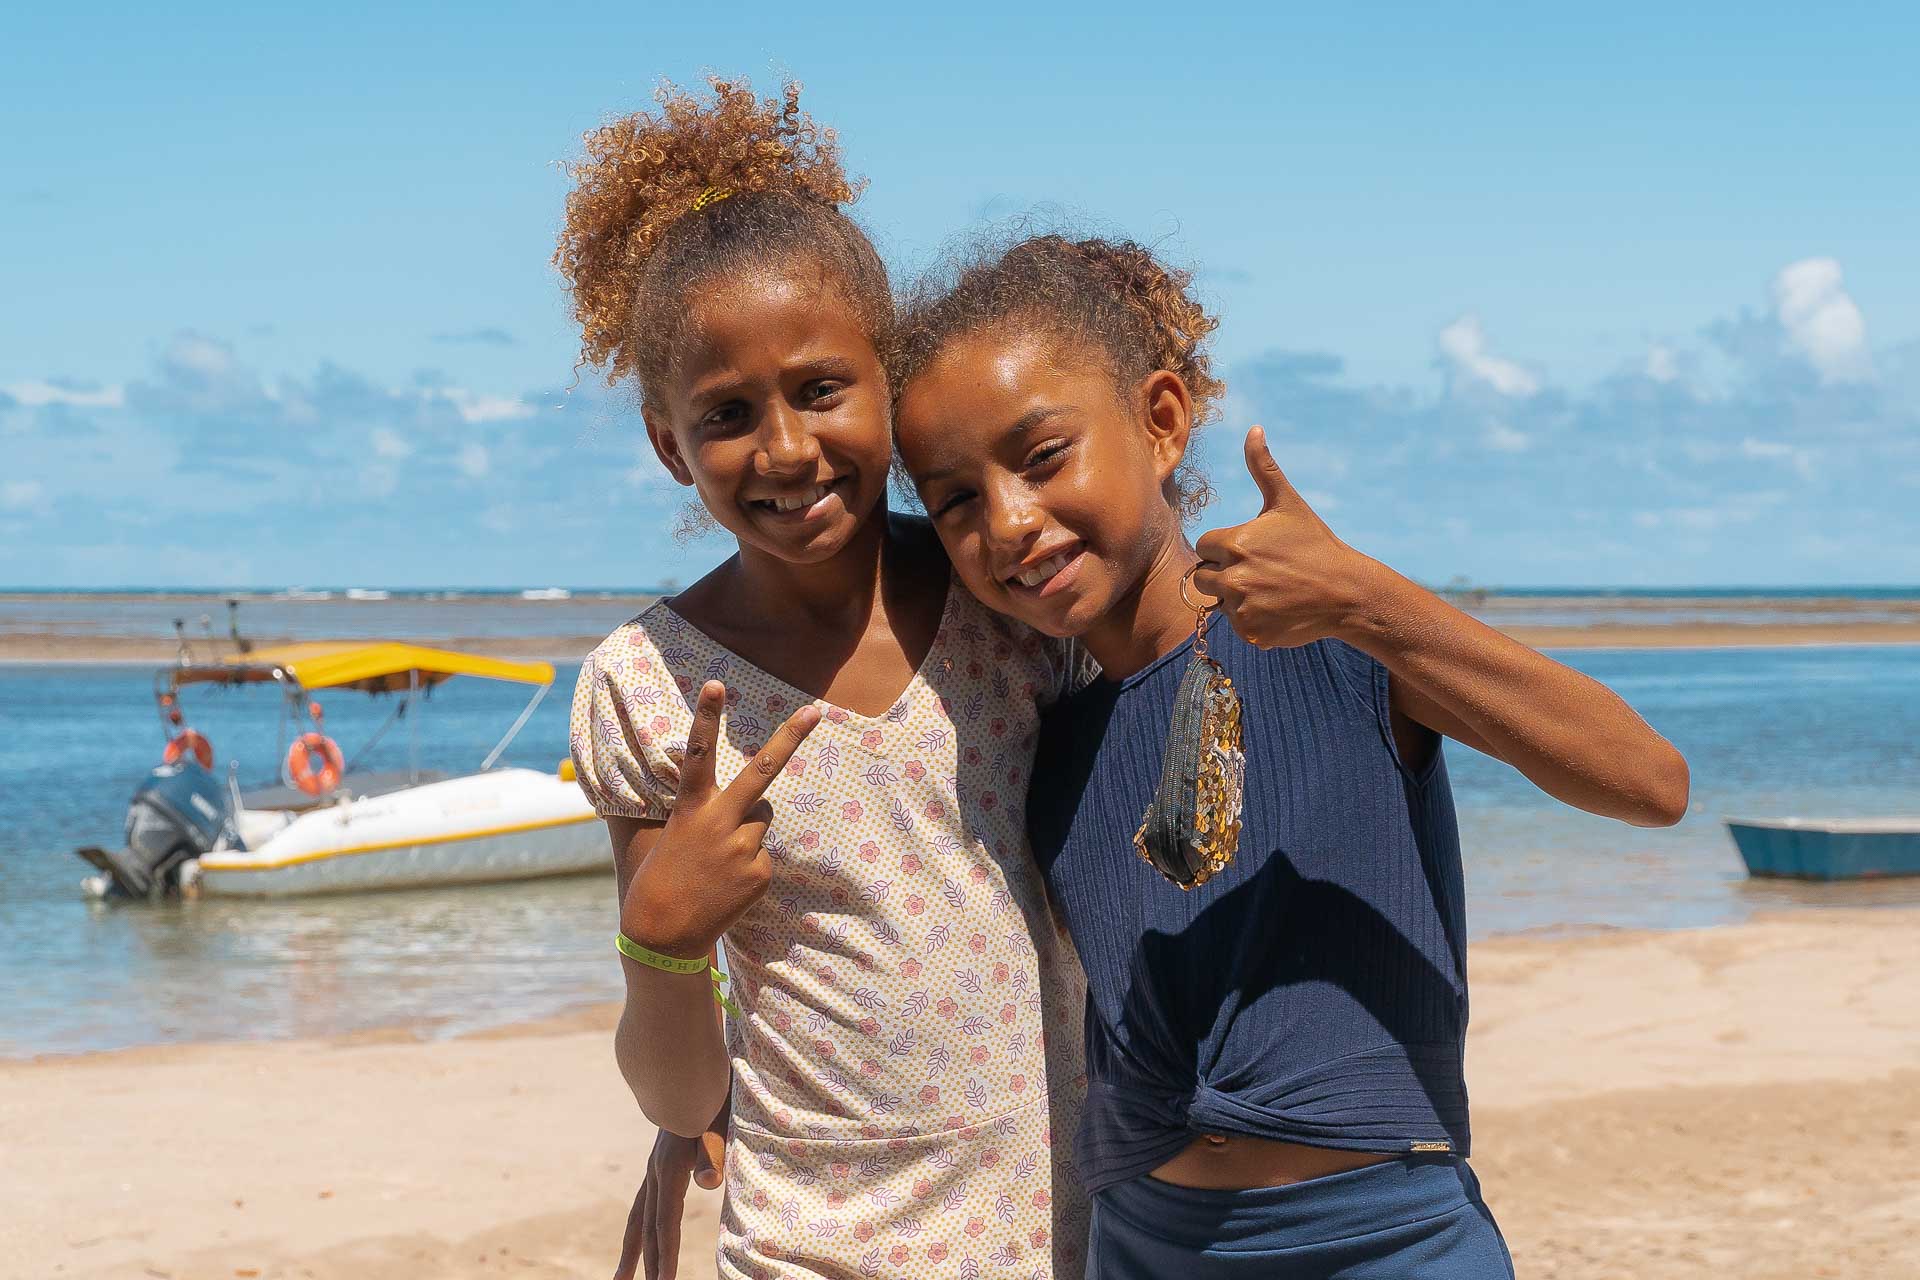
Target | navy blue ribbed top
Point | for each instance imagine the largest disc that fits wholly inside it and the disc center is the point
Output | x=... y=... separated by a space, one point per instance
x=1315 y=989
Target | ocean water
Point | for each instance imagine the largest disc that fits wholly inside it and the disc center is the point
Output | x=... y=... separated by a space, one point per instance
x=1767 y=731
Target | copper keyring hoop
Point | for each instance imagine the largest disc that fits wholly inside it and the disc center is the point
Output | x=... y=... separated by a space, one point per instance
x=1187 y=599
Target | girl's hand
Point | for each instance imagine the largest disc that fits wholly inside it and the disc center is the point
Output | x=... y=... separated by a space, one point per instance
x=1282 y=578
x=708 y=865
x=653 y=1224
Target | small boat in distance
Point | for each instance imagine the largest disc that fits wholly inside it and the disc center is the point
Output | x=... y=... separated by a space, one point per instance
x=546 y=593
x=1828 y=848
x=325 y=828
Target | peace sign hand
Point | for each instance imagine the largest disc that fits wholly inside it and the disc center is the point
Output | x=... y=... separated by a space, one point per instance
x=708 y=864
x=1282 y=578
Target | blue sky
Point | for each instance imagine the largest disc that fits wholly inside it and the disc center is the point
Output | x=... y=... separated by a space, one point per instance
x=1626 y=298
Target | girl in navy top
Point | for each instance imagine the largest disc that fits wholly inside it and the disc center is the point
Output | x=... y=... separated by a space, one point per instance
x=1275 y=1057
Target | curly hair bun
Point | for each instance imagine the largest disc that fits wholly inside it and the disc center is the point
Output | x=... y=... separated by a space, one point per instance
x=764 y=179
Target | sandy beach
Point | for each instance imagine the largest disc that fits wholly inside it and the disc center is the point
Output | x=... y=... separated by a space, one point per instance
x=57 y=647
x=102 y=628
x=1734 y=1101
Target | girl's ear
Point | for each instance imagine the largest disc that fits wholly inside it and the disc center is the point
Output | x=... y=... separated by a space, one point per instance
x=1169 y=419
x=666 y=448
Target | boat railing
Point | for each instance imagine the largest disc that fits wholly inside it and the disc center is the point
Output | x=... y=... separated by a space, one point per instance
x=525 y=715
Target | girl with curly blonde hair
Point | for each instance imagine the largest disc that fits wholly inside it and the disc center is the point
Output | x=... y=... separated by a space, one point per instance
x=818 y=752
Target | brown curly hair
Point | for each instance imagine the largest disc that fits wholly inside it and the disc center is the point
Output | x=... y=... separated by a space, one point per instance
x=665 y=201
x=1113 y=297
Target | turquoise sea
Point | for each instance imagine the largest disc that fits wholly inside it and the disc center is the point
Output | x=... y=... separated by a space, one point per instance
x=1831 y=730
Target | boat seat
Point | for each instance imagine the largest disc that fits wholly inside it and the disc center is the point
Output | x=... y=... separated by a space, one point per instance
x=294 y=800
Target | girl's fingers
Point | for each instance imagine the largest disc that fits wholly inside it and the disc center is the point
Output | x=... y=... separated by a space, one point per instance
x=1266 y=473
x=670 y=1207
x=1215 y=547
x=696 y=768
x=629 y=1262
x=752 y=782
x=1206 y=582
x=711 y=1168
x=633 y=1259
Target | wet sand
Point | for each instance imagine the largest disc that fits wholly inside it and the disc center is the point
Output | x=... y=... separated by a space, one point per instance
x=54 y=647
x=1720 y=635
x=1734 y=1101
x=138 y=629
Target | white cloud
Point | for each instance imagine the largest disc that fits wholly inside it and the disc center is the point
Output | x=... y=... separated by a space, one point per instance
x=476 y=406
x=1822 y=321
x=1504 y=438
x=35 y=394
x=1464 y=344
x=473 y=461
x=1734 y=509
x=1661 y=365
x=194 y=354
x=1320 y=499
x=388 y=444
x=649 y=476
x=1775 y=451
x=20 y=495
x=379 y=479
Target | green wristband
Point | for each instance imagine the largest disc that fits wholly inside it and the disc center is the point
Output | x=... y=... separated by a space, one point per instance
x=653 y=959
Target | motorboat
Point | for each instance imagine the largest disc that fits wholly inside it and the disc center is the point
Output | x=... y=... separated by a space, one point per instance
x=1828 y=848
x=322 y=827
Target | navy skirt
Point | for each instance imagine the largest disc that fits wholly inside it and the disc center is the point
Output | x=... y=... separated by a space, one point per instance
x=1412 y=1219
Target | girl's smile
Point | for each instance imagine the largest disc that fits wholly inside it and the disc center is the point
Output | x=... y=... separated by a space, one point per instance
x=1053 y=570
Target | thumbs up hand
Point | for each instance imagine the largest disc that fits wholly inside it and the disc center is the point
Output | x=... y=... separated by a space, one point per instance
x=1282 y=578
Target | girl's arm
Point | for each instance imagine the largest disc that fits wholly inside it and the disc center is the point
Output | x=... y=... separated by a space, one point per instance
x=668 y=1044
x=682 y=884
x=1572 y=737
x=1283 y=578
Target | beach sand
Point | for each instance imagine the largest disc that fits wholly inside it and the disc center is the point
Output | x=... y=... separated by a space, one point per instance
x=1734 y=1101
x=137 y=628
x=55 y=647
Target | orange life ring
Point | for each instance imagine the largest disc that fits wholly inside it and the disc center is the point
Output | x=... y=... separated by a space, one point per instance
x=189 y=740
x=315 y=764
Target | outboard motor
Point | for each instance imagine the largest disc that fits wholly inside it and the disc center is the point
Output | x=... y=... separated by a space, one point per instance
x=177 y=814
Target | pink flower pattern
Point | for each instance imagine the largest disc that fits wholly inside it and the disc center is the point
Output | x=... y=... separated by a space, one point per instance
x=903 y=984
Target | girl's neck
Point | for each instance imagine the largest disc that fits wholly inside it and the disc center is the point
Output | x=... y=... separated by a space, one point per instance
x=1151 y=620
x=833 y=592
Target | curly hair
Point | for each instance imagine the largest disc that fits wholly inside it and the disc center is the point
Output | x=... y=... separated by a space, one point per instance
x=1113 y=297
x=668 y=200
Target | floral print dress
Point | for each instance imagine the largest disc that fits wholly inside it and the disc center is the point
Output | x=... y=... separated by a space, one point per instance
x=907 y=1069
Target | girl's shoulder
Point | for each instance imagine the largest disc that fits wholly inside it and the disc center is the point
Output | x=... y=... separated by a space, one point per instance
x=631 y=709
x=1043 y=667
x=654 y=647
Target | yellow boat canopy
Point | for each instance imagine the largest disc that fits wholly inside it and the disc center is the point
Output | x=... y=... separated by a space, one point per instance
x=371 y=667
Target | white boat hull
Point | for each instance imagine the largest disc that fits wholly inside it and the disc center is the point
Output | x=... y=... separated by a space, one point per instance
x=508 y=824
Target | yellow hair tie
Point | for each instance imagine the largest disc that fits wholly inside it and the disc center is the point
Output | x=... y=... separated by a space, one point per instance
x=712 y=195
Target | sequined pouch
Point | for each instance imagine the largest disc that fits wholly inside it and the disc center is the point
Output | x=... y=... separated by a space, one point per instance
x=1192 y=828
